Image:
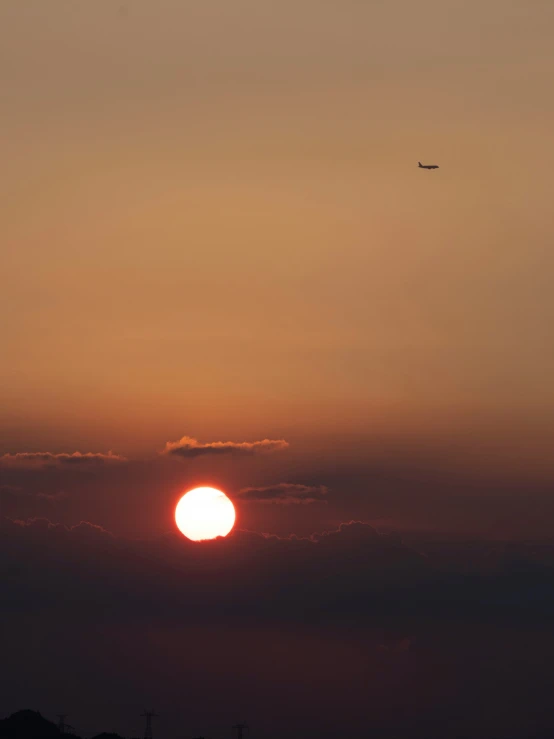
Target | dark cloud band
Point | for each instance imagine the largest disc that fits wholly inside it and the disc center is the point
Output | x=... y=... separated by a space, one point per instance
x=285 y=494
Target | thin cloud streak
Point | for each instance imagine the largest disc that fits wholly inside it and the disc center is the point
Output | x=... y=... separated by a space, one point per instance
x=47 y=459
x=285 y=493
x=190 y=448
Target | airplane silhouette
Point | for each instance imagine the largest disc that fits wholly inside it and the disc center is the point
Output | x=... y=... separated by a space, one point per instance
x=428 y=166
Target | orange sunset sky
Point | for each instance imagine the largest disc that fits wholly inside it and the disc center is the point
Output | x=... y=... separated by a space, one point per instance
x=213 y=225
x=222 y=267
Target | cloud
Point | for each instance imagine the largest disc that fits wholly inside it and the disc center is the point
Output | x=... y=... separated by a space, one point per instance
x=354 y=531
x=13 y=492
x=344 y=612
x=190 y=448
x=88 y=529
x=253 y=578
x=16 y=491
x=84 y=528
x=20 y=503
x=47 y=459
x=352 y=574
x=285 y=493
x=268 y=607
x=53 y=497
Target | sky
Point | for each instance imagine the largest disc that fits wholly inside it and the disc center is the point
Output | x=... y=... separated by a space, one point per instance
x=214 y=232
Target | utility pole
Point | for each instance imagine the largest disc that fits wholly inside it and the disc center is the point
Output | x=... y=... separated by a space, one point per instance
x=239 y=728
x=62 y=726
x=149 y=715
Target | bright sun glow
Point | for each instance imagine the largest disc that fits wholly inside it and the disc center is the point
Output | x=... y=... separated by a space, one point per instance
x=204 y=513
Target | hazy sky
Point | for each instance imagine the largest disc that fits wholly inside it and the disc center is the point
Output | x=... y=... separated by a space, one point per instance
x=213 y=229
x=213 y=225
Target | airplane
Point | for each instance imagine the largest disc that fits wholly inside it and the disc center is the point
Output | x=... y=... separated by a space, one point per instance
x=428 y=166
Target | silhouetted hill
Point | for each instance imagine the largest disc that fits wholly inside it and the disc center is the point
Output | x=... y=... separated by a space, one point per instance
x=28 y=725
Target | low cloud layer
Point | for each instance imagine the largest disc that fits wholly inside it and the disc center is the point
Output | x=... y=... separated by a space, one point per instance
x=242 y=579
x=285 y=493
x=318 y=621
x=43 y=525
x=190 y=448
x=352 y=572
x=47 y=459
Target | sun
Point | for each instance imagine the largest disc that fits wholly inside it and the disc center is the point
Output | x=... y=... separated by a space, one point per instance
x=204 y=513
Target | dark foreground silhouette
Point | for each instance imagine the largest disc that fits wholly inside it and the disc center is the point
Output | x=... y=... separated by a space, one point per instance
x=31 y=725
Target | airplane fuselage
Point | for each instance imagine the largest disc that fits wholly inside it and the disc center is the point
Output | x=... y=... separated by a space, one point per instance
x=427 y=166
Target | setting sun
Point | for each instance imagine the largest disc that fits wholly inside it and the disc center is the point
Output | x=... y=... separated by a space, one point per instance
x=204 y=513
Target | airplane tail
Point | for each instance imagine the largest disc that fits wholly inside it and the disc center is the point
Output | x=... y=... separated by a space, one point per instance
x=420 y=164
